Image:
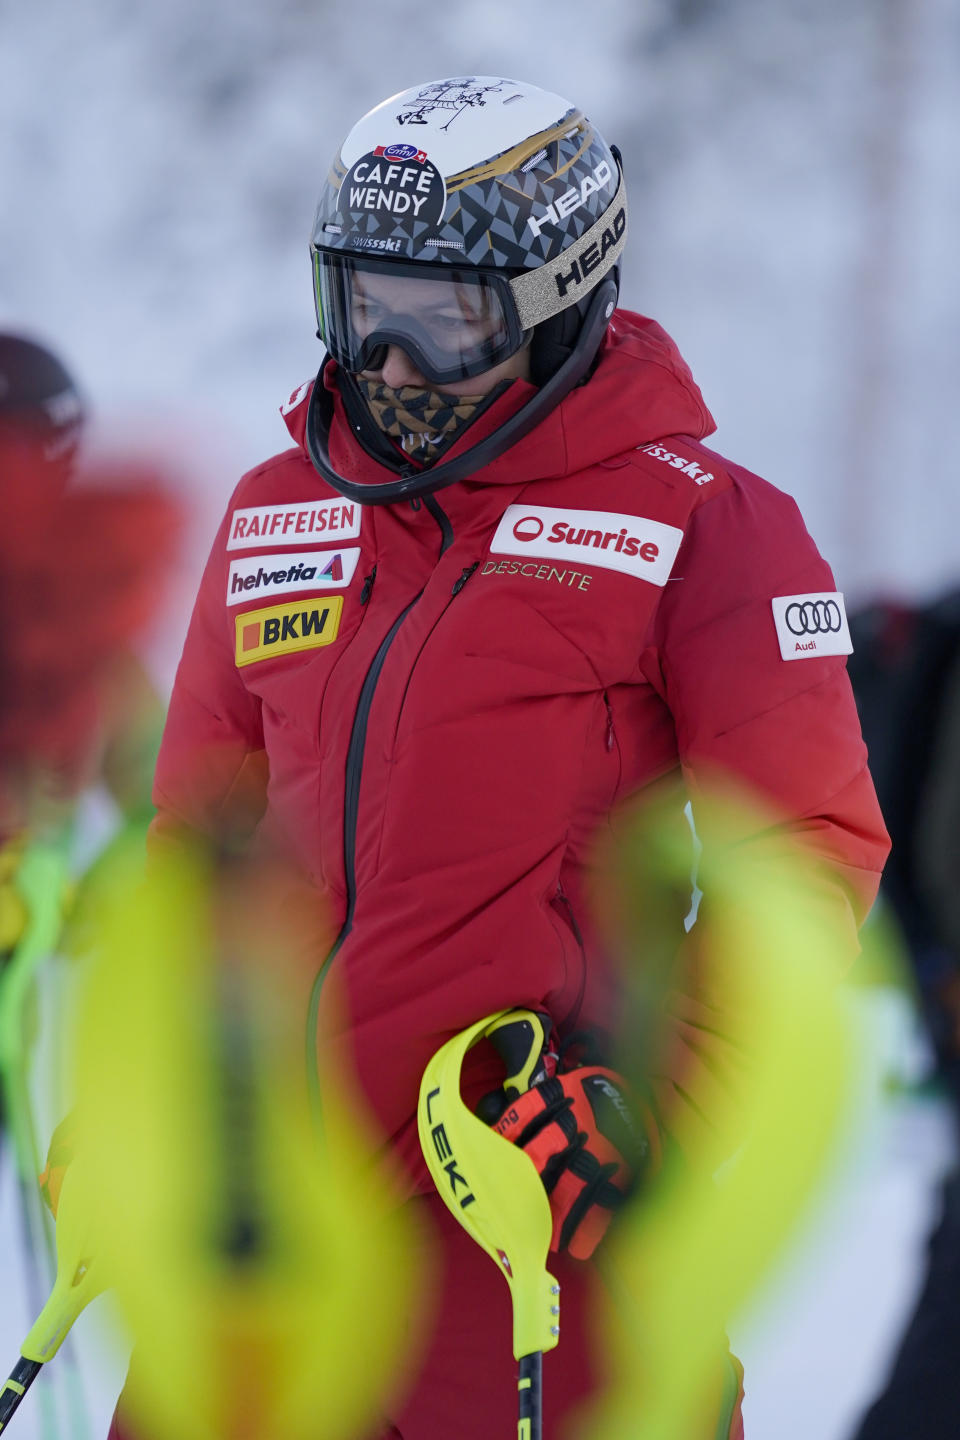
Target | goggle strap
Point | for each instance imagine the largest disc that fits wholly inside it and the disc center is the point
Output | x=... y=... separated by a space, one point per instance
x=542 y=293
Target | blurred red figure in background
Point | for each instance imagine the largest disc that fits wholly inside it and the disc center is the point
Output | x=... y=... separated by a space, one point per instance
x=82 y=558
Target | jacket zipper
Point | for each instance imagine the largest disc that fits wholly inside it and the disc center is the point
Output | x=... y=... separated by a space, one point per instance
x=459 y=583
x=351 y=804
x=367 y=587
x=455 y=589
x=571 y=1017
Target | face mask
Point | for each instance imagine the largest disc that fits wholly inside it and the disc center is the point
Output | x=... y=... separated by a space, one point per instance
x=424 y=423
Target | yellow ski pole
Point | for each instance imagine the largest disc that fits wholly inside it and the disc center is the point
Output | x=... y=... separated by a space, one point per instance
x=495 y=1193
x=78 y=1281
x=43 y=885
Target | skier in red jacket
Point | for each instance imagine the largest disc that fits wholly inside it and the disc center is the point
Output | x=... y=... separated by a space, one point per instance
x=498 y=585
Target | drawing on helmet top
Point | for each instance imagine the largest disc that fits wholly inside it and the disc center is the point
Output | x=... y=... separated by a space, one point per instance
x=453 y=95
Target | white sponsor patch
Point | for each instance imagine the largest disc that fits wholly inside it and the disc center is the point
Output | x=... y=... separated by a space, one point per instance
x=645 y=548
x=812 y=625
x=312 y=570
x=275 y=524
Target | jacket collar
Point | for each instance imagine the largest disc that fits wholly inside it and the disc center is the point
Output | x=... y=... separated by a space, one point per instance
x=641 y=391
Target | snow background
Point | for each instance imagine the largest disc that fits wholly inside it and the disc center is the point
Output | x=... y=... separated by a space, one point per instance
x=794 y=175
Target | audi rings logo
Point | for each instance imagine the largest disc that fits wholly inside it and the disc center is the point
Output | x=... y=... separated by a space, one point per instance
x=530 y=527
x=811 y=626
x=814 y=617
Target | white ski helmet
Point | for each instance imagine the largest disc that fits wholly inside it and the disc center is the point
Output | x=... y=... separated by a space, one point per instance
x=507 y=199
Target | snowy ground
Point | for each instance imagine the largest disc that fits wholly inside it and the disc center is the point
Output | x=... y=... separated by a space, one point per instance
x=815 y=1350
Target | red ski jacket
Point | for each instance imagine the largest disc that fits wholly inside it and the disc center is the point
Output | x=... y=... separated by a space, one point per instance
x=438 y=703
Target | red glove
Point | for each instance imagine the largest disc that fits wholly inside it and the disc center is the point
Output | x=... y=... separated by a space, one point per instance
x=588 y=1141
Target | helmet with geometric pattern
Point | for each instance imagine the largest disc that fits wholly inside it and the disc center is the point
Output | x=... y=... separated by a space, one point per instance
x=473 y=223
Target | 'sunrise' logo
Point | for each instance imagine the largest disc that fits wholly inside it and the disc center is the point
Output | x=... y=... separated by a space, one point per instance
x=629 y=543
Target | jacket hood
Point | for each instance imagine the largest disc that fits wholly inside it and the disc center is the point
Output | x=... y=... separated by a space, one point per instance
x=641 y=391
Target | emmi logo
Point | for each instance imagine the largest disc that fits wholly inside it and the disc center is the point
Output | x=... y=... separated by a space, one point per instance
x=441 y=1144
x=283 y=629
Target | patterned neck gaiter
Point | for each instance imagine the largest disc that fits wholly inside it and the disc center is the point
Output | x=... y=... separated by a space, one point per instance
x=424 y=423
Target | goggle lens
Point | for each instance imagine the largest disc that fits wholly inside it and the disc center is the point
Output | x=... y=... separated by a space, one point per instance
x=453 y=322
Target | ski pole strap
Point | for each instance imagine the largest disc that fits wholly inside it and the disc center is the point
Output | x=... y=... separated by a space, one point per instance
x=530 y=1397
x=16 y=1385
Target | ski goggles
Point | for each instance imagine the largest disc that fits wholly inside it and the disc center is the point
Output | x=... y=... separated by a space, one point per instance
x=453 y=322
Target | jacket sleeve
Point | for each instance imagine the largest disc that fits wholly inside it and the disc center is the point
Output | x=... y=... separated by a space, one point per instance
x=212 y=771
x=785 y=731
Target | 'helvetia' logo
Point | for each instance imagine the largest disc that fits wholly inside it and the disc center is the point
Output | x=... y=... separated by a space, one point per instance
x=252 y=576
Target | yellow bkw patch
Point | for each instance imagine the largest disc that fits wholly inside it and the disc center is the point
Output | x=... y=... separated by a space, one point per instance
x=282 y=629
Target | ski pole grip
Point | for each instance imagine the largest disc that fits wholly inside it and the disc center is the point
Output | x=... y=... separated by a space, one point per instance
x=520 y=1038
